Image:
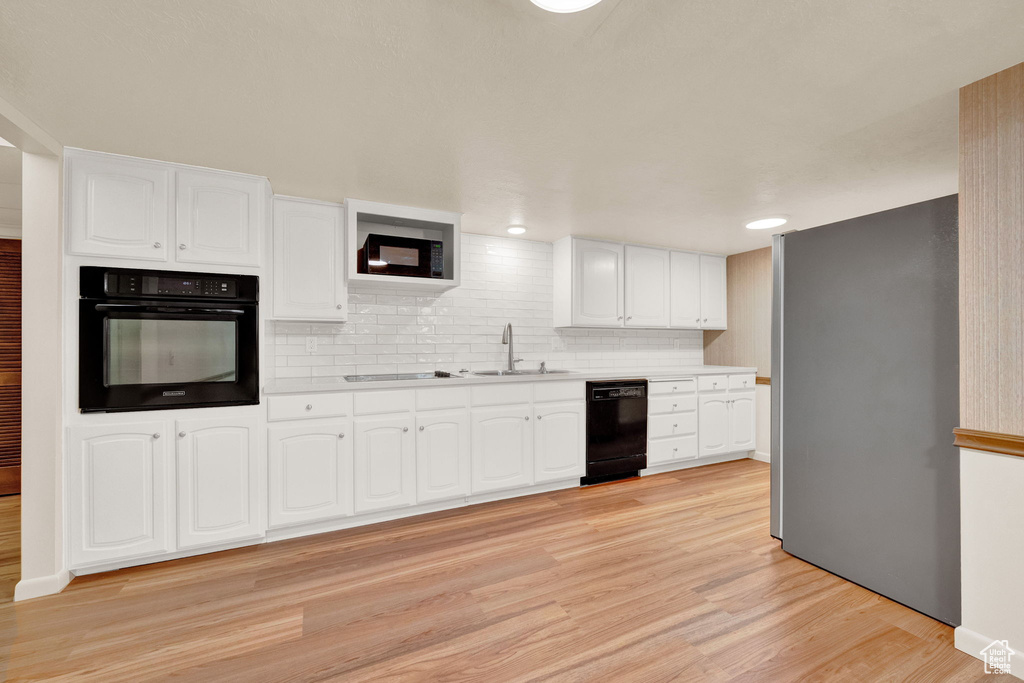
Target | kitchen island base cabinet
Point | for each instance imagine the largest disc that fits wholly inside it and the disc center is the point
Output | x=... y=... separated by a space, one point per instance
x=218 y=481
x=559 y=442
x=120 y=483
x=442 y=456
x=385 y=462
x=502 y=446
x=310 y=472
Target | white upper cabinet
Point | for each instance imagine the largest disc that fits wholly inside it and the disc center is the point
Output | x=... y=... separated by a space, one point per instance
x=309 y=260
x=220 y=218
x=218 y=481
x=118 y=207
x=126 y=208
x=588 y=283
x=310 y=472
x=712 y=292
x=120 y=492
x=560 y=442
x=685 y=296
x=605 y=284
x=647 y=287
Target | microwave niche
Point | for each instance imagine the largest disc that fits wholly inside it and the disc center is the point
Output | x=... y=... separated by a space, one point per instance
x=404 y=256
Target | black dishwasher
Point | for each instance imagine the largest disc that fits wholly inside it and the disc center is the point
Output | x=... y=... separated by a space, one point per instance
x=616 y=430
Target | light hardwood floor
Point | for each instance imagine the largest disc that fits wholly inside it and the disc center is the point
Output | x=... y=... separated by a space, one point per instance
x=671 y=577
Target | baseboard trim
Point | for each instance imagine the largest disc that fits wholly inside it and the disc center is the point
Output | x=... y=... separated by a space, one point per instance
x=761 y=457
x=972 y=643
x=41 y=585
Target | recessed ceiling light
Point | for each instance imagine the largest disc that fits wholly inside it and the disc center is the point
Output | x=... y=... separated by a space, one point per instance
x=4 y=143
x=516 y=230
x=565 y=6
x=767 y=223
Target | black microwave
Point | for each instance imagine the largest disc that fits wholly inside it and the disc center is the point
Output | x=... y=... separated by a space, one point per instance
x=407 y=256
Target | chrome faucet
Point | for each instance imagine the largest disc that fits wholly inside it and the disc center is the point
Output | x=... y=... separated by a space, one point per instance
x=506 y=338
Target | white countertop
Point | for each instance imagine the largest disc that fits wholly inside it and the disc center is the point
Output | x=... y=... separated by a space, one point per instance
x=306 y=385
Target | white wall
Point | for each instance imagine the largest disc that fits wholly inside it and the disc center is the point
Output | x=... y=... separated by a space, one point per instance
x=992 y=552
x=503 y=280
x=10 y=192
x=42 y=538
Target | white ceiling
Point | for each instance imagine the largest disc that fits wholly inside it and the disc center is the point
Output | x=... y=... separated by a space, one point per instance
x=663 y=121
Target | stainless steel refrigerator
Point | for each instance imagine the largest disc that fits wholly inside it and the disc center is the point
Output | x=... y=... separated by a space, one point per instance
x=865 y=384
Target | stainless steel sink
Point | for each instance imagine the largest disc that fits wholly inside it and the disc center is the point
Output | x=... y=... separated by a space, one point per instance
x=503 y=373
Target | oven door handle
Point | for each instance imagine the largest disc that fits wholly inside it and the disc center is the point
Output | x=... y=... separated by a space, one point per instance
x=166 y=309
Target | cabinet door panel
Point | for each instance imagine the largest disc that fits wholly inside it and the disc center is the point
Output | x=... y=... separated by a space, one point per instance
x=310 y=477
x=685 y=286
x=218 y=481
x=713 y=429
x=742 y=422
x=442 y=456
x=119 y=481
x=597 y=284
x=219 y=218
x=385 y=463
x=647 y=287
x=309 y=257
x=713 y=291
x=502 y=448
x=118 y=207
x=559 y=442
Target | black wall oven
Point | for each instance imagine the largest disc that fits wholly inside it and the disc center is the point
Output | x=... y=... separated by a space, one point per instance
x=154 y=339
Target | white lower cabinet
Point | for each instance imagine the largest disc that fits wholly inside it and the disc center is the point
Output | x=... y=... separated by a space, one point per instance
x=218 y=481
x=502 y=448
x=713 y=424
x=385 y=462
x=559 y=441
x=310 y=472
x=120 y=485
x=742 y=422
x=442 y=455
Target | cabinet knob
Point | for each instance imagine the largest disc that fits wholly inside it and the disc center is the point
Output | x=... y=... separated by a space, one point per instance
x=421 y=428
x=675 y=425
x=620 y=317
x=674 y=450
x=342 y=435
x=675 y=405
x=405 y=429
x=181 y=434
x=697 y=320
x=527 y=418
x=156 y=435
x=629 y=317
x=182 y=247
x=339 y=307
x=538 y=417
x=309 y=406
x=705 y=319
x=157 y=245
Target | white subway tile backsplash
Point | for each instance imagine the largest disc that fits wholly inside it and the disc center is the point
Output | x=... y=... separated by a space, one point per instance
x=503 y=280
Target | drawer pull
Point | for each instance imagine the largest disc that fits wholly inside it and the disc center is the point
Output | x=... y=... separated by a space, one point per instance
x=309 y=406
x=675 y=405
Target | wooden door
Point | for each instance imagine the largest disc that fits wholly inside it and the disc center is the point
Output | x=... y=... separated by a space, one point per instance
x=10 y=367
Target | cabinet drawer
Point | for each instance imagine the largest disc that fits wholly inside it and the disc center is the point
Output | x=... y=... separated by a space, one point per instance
x=671 y=425
x=380 y=402
x=742 y=381
x=670 y=450
x=497 y=395
x=712 y=383
x=308 y=406
x=659 y=405
x=559 y=391
x=446 y=398
x=676 y=386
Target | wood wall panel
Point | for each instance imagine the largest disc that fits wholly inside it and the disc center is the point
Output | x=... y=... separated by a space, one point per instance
x=748 y=341
x=10 y=366
x=992 y=253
